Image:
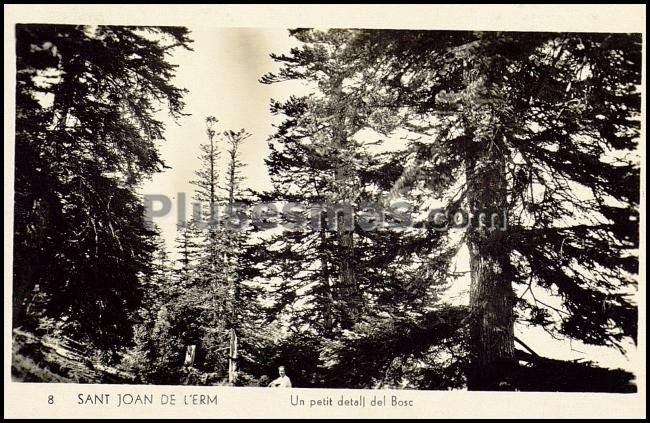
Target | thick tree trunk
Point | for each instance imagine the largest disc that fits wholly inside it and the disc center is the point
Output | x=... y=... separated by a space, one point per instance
x=351 y=301
x=491 y=293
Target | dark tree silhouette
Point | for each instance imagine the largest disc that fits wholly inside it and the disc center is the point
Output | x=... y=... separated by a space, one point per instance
x=85 y=139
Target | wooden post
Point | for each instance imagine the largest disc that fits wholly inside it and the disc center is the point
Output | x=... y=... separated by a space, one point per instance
x=232 y=357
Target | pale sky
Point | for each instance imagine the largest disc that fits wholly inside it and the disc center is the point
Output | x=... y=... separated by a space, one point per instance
x=222 y=76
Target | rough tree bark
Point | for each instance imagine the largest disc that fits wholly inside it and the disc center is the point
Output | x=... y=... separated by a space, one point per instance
x=491 y=293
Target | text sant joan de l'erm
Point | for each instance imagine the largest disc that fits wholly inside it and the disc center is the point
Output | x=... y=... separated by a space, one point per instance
x=127 y=399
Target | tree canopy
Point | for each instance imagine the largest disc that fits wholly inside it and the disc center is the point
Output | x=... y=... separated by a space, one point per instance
x=86 y=133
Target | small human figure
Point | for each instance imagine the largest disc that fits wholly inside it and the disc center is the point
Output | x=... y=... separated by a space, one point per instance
x=281 y=382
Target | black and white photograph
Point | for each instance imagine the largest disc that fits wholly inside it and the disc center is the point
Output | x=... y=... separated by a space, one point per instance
x=326 y=207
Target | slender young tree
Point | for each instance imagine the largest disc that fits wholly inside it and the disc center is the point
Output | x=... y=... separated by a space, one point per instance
x=210 y=289
x=235 y=241
x=218 y=284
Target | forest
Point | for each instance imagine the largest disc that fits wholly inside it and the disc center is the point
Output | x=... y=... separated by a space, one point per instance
x=341 y=271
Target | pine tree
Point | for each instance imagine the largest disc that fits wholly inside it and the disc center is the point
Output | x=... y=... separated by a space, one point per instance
x=235 y=243
x=209 y=290
x=543 y=127
x=217 y=296
x=318 y=147
x=338 y=275
x=85 y=139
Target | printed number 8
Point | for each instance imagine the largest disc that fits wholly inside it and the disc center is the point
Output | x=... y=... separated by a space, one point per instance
x=50 y=399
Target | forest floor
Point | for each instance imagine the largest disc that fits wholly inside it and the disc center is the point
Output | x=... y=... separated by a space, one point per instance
x=58 y=359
